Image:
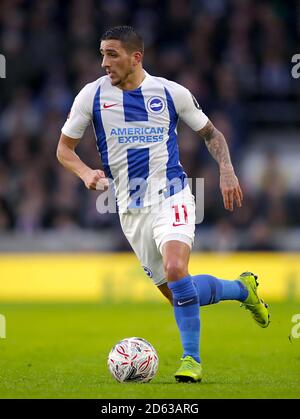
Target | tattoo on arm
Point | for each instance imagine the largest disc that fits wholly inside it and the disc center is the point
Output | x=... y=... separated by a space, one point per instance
x=216 y=144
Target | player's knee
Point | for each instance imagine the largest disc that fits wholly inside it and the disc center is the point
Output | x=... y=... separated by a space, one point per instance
x=175 y=269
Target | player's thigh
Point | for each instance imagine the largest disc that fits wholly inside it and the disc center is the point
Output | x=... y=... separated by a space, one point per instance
x=138 y=231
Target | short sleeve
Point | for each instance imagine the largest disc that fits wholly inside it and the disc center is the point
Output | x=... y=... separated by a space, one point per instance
x=189 y=110
x=80 y=115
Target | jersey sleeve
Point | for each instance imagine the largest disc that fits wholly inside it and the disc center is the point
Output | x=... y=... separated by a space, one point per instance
x=80 y=115
x=188 y=108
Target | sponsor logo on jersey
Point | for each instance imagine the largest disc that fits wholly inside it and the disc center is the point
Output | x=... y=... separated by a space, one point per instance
x=156 y=105
x=138 y=134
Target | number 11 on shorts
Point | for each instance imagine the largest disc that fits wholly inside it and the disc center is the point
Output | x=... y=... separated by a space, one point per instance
x=180 y=214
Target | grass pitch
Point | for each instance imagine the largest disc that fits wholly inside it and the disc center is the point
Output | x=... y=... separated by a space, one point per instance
x=60 y=351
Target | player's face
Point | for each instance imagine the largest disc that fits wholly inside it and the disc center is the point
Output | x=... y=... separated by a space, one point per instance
x=118 y=63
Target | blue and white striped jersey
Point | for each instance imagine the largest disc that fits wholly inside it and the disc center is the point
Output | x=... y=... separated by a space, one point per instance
x=136 y=134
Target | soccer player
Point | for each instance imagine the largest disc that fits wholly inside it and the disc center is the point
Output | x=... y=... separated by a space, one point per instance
x=135 y=115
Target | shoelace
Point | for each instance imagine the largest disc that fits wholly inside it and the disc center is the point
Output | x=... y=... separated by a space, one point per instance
x=188 y=363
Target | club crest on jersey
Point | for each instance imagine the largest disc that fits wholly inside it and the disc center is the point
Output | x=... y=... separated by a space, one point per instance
x=156 y=105
x=148 y=272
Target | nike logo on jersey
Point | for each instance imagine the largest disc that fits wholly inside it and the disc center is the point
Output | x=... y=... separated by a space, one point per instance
x=177 y=225
x=184 y=302
x=105 y=106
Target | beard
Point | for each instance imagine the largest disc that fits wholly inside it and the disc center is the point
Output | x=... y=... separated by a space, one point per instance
x=116 y=82
x=119 y=81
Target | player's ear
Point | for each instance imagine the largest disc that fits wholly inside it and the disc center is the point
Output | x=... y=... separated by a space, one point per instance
x=137 y=57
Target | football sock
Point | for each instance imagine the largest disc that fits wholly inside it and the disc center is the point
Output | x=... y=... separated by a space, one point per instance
x=186 y=310
x=211 y=290
x=233 y=290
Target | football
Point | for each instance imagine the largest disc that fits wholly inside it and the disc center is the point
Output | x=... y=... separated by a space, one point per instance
x=133 y=359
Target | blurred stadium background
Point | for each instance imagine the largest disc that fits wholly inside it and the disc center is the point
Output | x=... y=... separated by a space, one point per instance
x=235 y=57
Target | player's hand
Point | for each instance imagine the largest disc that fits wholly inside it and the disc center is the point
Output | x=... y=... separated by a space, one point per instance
x=95 y=180
x=230 y=188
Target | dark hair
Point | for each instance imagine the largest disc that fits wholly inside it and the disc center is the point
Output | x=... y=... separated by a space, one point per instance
x=130 y=39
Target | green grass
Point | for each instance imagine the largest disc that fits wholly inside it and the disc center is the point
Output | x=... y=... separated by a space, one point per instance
x=60 y=351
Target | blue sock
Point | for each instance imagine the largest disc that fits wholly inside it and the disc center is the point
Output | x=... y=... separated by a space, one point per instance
x=233 y=290
x=211 y=290
x=186 y=310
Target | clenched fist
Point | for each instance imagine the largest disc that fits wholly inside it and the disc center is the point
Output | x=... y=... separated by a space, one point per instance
x=95 y=180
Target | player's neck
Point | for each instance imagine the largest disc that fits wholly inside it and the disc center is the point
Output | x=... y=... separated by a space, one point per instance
x=134 y=80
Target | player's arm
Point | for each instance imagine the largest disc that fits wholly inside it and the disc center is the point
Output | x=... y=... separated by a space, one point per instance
x=217 y=146
x=72 y=131
x=66 y=155
x=191 y=113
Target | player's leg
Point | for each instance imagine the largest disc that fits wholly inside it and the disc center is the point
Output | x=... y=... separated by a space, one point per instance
x=165 y=290
x=175 y=256
x=211 y=290
x=173 y=231
x=139 y=232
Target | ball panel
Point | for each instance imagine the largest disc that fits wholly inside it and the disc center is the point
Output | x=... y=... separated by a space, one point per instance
x=133 y=359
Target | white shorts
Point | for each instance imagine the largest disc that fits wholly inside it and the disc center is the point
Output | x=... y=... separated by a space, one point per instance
x=149 y=228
